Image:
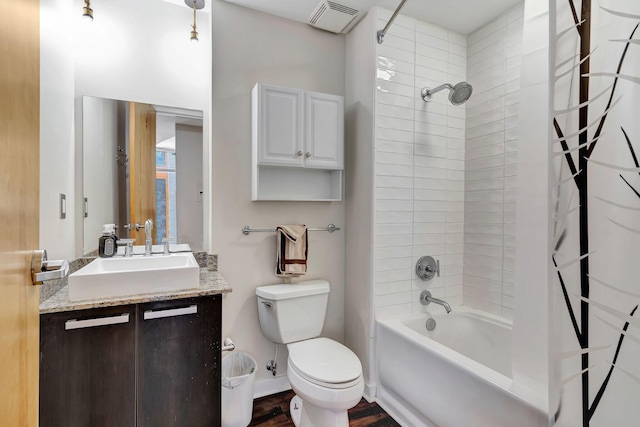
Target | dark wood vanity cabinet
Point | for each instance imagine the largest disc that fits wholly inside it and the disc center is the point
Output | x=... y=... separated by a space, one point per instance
x=149 y=364
x=178 y=363
x=87 y=369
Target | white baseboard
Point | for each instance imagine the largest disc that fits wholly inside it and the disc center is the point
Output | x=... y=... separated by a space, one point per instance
x=271 y=386
x=369 y=393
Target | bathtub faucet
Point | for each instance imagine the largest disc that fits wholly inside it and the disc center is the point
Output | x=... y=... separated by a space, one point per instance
x=426 y=298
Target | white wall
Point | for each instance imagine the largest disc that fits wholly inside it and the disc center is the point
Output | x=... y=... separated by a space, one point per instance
x=419 y=164
x=359 y=168
x=493 y=68
x=57 y=150
x=140 y=51
x=121 y=54
x=249 y=47
x=188 y=184
x=530 y=317
x=100 y=128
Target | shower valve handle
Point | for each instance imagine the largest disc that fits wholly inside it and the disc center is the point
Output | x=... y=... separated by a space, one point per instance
x=427 y=268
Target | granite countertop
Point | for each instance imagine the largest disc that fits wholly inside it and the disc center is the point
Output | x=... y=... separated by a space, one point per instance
x=211 y=283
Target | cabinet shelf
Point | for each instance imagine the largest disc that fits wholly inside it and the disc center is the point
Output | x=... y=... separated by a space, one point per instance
x=275 y=183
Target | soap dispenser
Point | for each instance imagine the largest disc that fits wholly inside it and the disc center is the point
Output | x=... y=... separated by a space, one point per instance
x=107 y=242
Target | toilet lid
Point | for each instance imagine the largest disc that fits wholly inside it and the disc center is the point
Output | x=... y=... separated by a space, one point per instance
x=325 y=360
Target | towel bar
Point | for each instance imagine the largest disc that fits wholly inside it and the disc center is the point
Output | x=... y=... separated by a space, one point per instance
x=247 y=229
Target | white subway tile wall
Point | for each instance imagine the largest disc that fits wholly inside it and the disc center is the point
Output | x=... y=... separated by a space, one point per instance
x=493 y=68
x=420 y=163
x=438 y=165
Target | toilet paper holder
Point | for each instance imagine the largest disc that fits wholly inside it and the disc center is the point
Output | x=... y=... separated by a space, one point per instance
x=228 y=345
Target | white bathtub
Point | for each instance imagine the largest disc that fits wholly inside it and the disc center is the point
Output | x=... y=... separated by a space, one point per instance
x=458 y=375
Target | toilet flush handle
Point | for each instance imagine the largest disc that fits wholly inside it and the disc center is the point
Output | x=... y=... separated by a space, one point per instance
x=267 y=304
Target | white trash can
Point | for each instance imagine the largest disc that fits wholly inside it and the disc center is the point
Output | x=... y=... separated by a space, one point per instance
x=238 y=378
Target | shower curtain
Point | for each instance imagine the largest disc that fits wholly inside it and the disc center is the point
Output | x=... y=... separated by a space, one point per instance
x=595 y=156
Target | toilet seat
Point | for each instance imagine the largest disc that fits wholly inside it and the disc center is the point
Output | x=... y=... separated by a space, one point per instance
x=325 y=362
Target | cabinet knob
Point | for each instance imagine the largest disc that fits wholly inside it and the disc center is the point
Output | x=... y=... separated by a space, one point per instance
x=300 y=153
x=308 y=154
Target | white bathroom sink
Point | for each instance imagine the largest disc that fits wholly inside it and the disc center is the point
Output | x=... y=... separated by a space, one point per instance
x=119 y=276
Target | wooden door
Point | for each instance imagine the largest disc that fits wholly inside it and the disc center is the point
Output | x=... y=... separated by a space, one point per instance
x=87 y=368
x=142 y=167
x=19 y=209
x=178 y=372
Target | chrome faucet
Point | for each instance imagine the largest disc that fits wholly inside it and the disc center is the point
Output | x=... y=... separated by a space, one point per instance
x=426 y=298
x=167 y=245
x=128 y=246
x=148 y=242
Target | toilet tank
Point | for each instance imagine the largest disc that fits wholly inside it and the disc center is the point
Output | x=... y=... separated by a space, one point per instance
x=293 y=312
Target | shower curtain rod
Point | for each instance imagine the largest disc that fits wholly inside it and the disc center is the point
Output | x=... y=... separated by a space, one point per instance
x=383 y=32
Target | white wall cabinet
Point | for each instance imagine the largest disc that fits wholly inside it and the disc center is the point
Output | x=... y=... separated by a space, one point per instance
x=297 y=144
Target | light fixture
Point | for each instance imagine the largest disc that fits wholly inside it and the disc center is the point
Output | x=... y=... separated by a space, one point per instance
x=196 y=5
x=87 y=12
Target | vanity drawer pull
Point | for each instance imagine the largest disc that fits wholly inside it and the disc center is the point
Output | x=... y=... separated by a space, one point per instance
x=157 y=314
x=101 y=321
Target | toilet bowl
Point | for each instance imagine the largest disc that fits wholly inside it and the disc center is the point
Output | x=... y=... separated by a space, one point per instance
x=325 y=375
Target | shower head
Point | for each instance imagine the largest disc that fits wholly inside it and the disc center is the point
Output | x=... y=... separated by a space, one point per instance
x=458 y=94
x=461 y=93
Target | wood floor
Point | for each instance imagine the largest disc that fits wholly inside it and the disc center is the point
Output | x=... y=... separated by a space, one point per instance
x=273 y=411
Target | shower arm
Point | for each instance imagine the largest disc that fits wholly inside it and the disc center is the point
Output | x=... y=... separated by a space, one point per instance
x=383 y=32
x=438 y=89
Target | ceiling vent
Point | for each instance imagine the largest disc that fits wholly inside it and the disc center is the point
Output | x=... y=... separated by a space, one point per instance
x=334 y=17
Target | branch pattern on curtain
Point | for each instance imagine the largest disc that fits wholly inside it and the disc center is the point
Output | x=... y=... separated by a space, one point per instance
x=595 y=124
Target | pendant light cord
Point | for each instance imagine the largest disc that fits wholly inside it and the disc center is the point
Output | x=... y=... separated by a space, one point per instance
x=194 y=15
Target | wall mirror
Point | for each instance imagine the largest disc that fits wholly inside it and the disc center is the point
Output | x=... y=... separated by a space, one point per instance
x=141 y=161
x=142 y=88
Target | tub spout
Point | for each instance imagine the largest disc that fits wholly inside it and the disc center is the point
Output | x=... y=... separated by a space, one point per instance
x=426 y=298
x=442 y=303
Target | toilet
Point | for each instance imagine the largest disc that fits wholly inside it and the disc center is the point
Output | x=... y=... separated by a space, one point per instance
x=325 y=375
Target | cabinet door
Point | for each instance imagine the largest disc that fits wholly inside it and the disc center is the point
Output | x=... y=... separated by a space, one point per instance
x=278 y=125
x=324 y=124
x=178 y=371
x=87 y=368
